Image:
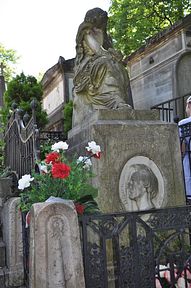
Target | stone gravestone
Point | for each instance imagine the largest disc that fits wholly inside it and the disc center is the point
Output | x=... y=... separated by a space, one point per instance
x=12 y=235
x=140 y=166
x=55 y=250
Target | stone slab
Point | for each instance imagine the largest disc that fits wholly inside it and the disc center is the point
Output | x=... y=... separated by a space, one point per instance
x=117 y=115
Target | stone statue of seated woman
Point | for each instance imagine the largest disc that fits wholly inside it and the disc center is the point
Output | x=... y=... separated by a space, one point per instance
x=101 y=80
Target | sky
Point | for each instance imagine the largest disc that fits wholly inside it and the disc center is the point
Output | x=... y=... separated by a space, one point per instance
x=42 y=30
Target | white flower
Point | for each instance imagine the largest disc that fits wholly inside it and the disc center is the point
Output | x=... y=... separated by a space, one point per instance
x=43 y=168
x=60 y=145
x=24 y=182
x=85 y=160
x=93 y=147
x=80 y=159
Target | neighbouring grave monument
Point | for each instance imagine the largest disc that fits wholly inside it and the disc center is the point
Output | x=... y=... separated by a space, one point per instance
x=55 y=251
x=140 y=166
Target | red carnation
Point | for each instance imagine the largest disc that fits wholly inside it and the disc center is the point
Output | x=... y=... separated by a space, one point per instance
x=79 y=208
x=52 y=157
x=60 y=170
x=97 y=155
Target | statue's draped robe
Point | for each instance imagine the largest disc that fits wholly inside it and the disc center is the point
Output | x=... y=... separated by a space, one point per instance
x=103 y=81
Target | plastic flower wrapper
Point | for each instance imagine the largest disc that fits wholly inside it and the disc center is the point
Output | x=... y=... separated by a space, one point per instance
x=60 y=177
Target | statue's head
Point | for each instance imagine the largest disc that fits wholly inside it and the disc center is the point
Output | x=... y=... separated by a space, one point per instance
x=97 y=17
x=94 y=18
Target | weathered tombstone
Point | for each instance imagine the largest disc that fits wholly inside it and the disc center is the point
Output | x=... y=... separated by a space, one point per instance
x=55 y=250
x=12 y=236
x=125 y=135
x=127 y=144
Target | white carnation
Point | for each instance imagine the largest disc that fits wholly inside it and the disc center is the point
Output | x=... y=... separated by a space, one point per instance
x=24 y=182
x=59 y=146
x=85 y=160
x=93 y=147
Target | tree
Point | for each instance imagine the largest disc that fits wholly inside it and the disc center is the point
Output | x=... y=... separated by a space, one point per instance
x=132 y=22
x=22 y=90
x=8 y=57
x=68 y=111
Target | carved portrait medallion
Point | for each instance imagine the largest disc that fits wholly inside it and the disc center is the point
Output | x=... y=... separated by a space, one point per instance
x=141 y=185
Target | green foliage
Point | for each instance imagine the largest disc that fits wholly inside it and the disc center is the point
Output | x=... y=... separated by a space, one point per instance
x=74 y=187
x=131 y=22
x=45 y=148
x=68 y=111
x=8 y=57
x=2 y=146
x=22 y=90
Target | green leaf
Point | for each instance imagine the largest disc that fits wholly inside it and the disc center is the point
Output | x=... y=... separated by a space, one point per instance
x=132 y=22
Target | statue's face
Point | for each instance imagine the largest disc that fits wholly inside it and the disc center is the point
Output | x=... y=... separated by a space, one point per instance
x=94 y=39
x=136 y=187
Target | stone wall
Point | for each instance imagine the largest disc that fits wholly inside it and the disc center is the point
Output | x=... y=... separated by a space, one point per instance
x=153 y=69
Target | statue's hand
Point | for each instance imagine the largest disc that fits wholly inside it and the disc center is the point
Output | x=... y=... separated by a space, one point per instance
x=116 y=54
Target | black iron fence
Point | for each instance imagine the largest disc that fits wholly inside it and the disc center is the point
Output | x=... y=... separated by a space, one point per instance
x=51 y=136
x=23 y=142
x=137 y=249
x=172 y=109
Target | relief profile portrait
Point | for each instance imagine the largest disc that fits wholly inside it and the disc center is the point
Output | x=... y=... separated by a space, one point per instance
x=141 y=186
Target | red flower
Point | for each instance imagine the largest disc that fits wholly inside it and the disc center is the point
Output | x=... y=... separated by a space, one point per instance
x=97 y=155
x=52 y=157
x=60 y=170
x=79 y=208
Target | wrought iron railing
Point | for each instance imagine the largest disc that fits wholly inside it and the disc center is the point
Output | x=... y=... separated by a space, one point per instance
x=173 y=109
x=51 y=136
x=128 y=249
x=21 y=143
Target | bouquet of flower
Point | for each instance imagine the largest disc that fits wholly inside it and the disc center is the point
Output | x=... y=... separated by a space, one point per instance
x=60 y=177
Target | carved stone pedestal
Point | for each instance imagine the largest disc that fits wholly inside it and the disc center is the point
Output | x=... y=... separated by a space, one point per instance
x=136 y=148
